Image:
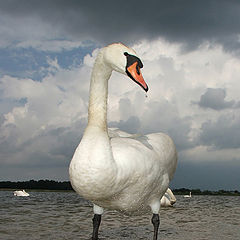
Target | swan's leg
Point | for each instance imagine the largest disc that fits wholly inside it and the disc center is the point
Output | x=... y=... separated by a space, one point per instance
x=96 y=223
x=155 y=206
x=98 y=211
x=156 y=223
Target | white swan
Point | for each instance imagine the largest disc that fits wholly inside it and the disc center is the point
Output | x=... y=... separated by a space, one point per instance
x=113 y=169
x=168 y=199
x=21 y=193
x=188 y=196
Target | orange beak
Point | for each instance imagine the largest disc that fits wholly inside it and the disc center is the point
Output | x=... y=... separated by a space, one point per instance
x=135 y=74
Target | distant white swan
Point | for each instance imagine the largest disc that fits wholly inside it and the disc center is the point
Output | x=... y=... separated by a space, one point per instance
x=21 y=193
x=168 y=199
x=188 y=196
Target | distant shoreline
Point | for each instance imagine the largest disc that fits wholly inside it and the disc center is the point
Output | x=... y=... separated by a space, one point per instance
x=37 y=185
x=35 y=190
x=51 y=185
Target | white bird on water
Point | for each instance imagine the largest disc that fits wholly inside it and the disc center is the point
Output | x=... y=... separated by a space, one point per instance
x=188 y=196
x=21 y=193
x=117 y=170
x=168 y=199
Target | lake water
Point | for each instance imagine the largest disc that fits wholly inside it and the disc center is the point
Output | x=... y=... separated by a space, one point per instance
x=65 y=215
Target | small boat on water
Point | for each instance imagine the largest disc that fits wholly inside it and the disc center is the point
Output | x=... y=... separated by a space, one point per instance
x=20 y=193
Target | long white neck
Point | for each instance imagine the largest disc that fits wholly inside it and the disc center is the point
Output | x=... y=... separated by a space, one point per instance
x=97 y=109
x=93 y=169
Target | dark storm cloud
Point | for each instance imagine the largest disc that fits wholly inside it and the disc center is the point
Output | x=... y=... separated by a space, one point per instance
x=222 y=134
x=211 y=175
x=52 y=149
x=189 y=22
x=131 y=125
x=164 y=117
x=214 y=98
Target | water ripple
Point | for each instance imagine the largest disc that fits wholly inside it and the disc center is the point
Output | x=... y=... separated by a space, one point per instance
x=65 y=215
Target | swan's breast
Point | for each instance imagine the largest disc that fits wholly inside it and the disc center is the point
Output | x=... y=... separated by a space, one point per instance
x=92 y=170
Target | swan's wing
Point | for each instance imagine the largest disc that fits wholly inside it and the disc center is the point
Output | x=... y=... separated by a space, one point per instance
x=169 y=194
x=155 y=153
x=116 y=132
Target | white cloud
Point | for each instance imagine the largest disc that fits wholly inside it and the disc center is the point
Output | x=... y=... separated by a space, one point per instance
x=54 y=111
x=59 y=101
x=204 y=154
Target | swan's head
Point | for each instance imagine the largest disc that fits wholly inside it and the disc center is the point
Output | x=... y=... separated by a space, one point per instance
x=124 y=60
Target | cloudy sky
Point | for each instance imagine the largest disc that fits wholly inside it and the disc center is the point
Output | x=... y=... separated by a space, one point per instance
x=191 y=56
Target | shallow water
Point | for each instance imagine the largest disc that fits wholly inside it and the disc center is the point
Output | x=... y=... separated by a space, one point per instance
x=65 y=215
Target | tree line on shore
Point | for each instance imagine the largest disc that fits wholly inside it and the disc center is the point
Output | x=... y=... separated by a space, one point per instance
x=38 y=185
x=66 y=185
